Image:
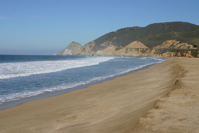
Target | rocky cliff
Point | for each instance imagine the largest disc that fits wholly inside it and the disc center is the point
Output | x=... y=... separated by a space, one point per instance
x=169 y=48
x=72 y=49
x=173 y=48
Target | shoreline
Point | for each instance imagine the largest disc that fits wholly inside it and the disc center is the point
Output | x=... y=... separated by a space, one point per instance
x=132 y=103
x=60 y=92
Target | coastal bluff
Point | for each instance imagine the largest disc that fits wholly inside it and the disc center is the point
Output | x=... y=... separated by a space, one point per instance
x=72 y=49
x=169 y=48
x=169 y=39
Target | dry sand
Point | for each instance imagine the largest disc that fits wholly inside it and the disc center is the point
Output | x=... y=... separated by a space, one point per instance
x=161 y=99
x=178 y=111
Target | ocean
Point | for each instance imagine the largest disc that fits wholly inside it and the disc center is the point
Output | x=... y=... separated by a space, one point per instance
x=28 y=77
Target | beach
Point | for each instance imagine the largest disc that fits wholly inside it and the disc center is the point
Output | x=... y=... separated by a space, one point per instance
x=163 y=98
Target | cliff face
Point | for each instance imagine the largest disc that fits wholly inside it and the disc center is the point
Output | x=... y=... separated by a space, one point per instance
x=87 y=49
x=72 y=49
x=134 y=48
x=173 y=48
x=169 y=48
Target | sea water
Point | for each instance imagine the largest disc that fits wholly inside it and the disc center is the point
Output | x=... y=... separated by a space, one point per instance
x=24 y=76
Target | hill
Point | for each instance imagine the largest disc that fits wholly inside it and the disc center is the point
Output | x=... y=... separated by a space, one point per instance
x=191 y=37
x=71 y=49
x=179 y=37
x=124 y=36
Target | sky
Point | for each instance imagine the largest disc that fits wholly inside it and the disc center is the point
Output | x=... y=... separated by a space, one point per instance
x=44 y=27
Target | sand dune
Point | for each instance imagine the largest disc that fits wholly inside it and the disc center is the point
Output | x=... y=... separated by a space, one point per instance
x=163 y=98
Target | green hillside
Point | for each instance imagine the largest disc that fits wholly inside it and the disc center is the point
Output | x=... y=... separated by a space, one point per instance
x=191 y=37
x=151 y=35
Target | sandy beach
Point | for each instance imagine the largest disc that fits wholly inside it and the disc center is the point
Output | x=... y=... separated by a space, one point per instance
x=163 y=98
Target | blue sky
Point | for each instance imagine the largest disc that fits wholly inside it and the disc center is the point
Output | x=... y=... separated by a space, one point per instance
x=47 y=26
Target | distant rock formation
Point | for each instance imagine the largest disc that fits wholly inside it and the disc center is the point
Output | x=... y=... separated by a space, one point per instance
x=173 y=48
x=136 y=44
x=109 y=50
x=87 y=49
x=135 y=48
x=169 y=48
x=173 y=44
x=72 y=49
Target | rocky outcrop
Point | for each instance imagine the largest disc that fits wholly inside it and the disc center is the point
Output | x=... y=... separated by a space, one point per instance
x=169 y=48
x=87 y=49
x=178 y=54
x=136 y=44
x=173 y=44
x=72 y=49
x=109 y=50
x=134 y=48
x=173 y=48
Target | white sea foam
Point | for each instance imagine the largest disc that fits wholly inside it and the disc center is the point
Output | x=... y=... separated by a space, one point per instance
x=12 y=70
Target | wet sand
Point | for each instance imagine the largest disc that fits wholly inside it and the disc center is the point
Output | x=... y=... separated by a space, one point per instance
x=162 y=98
